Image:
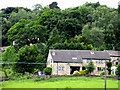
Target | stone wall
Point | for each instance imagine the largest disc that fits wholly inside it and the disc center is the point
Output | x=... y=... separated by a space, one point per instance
x=66 y=71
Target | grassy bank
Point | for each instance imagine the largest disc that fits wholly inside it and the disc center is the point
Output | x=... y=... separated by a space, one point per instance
x=62 y=82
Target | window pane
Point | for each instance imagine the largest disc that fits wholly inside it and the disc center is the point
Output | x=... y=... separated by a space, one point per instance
x=59 y=68
x=63 y=68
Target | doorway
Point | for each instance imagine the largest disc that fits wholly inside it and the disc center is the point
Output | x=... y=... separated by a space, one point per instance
x=74 y=68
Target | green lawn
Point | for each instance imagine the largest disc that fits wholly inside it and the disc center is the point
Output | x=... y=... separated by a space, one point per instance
x=62 y=82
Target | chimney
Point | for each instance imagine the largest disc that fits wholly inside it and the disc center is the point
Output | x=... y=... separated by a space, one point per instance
x=53 y=53
x=92 y=51
x=113 y=48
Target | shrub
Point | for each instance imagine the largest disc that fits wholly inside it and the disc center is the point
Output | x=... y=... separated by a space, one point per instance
x=18 y=74
x=109 y=65
x=113 y=75
x=75 y=72
x=26 y=74
x=117 y=72
x=83 y=72
x=90 y=67
x=47 y=71
x=102 y=73
x=83 y=68
x=36 y=79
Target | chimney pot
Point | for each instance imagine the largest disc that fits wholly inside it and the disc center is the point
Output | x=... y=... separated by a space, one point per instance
x=53 y=53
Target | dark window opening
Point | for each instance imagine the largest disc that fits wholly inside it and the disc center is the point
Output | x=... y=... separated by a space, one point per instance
x=72 y=69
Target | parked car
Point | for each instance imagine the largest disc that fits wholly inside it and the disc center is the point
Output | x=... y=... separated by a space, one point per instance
x=40 y=73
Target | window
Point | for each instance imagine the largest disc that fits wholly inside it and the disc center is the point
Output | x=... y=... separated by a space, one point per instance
x=74 y=57
x=100 y=68
x=100 y=61
x=61 y=68
x=87 y=61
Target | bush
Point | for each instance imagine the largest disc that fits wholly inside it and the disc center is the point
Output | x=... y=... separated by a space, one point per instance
x=75 y=72
x=18 y=74
x=113 y=75
x=47 y=71
x=102 y=73
x=36 y=79
x=117 y=72
x=26 y=74
x=83 y=72
x=83 y=68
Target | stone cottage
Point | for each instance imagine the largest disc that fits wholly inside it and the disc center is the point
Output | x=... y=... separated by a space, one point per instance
x=65 y=62
x=115 y=57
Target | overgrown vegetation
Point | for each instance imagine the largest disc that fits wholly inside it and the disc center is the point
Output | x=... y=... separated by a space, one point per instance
x=48 y=71
x=79 y=28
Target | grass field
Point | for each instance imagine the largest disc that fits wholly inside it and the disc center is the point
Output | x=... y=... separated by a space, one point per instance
x=62 y=82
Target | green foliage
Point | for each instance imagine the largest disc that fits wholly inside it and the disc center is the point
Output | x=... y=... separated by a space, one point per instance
x=18 y=74
x=113 y=75
x=79 y=28
x=10 y=54
x=83 y=72
x=109 y=65
x=96 y=23
x=69 y=46
x=102 y=73
x=93 y=34
x=83 y=67
x=75 y=73
x=29 y=54
x=47 y=71
x=36 y=79
x=90 y=67
x=118 y=70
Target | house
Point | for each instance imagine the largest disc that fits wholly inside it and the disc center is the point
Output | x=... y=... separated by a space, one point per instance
x=65 y=62
x=115 y=57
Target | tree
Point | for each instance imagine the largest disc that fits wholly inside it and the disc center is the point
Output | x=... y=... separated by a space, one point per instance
x=109 y=65
x=25 y=32
x=26 y=55
x=54 y=37
x=118 y=70
x=69 y=27
x=53 y=5
x=8 y=56
x=48 y=71
x=22 y=14
x=109 y=37
x=95 y=35
x=90 y=67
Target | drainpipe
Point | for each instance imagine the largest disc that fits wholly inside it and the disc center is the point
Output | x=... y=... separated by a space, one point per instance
x=57 y=68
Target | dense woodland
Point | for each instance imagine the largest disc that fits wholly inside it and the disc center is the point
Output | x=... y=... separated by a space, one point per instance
x=80 y=28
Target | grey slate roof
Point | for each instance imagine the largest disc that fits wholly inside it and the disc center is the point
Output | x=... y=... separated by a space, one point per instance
x=113 y=53
x=67 y=55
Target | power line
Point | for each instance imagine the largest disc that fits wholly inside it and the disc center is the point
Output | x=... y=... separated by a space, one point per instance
x=19 y=63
